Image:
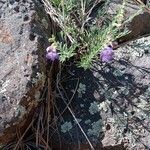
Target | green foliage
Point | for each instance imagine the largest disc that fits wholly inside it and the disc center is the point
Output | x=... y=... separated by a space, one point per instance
x=79 y=30
x=56 y=3
x=66 y=52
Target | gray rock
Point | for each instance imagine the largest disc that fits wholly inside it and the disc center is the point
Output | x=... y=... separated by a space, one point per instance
x=23 y=39
x=132 y=100
x=136 y=18
x=117 y=94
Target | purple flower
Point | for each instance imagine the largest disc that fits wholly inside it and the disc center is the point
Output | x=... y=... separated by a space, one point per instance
x=52 y=53
x=107 y=54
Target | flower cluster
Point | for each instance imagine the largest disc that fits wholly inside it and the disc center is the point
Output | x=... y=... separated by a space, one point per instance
x=51 y=53
x=107 y=54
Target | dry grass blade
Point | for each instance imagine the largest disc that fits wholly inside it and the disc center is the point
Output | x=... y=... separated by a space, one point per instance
x=89 y=12
x=18 y=143
x=72 y=113
x=56 y=17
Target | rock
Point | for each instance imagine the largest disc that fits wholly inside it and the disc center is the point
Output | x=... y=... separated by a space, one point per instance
x=137 y=19
x=109 y=100
x=24 y=33
x=115 y=94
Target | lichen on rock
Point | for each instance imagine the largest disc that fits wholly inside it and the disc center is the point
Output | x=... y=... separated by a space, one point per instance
x=24 y=32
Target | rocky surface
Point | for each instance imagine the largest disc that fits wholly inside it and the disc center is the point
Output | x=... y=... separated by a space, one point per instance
x=24 y=33
x=110 y=101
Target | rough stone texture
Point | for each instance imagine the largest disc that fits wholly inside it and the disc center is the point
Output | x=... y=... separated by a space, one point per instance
x=137 y=19
x=24 y=30
x=111 y=101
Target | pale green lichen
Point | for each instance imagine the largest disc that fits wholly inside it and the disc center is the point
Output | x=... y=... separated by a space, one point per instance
x=124 y=90
x=118 y=72
x=81 y=105
x=81 y=90
x=104 y=105
x=39 y=77
x=94 y=108
x=87 y=121
x=66 y=127
x=111 y=120
x=109 y=93
x=96 y=128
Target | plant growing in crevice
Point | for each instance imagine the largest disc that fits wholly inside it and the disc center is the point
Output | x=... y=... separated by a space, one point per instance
x=81 y=35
